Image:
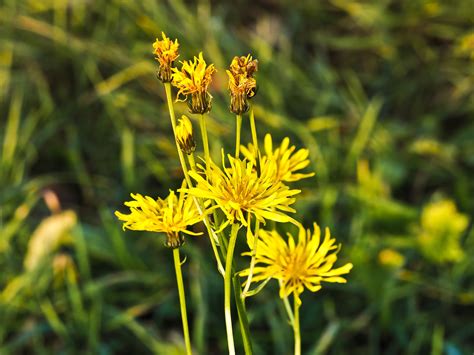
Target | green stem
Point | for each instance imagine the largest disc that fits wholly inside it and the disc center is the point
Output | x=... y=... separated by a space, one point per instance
x=242 y=313
x=192 y=164
x=296 y=327
x=252 y=261
x=237 y=135
x=173 y=124
x=205 y=140
x=239 y=301
x=182 y=299
x=254 y=130
x=227 y=284
x=211 y=233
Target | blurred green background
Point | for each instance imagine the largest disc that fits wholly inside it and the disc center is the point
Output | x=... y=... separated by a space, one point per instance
x=381 y=92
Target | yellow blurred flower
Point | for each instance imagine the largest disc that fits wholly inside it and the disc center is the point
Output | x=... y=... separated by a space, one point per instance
x=287 y=159
x=192 y=82
x=171 y=216
x=242 y=84
x=466 y=45
x=297 y=266
x=184 y=135
x=391 y=258
x=441 y=230
x=240 y=192
x=166 y=52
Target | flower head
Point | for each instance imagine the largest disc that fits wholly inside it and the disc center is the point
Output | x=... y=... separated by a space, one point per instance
x=239 y=192
x=297 y=266
x=184 y=135
x=166 y=52
x=242 y=84
x=287 y=159
x=171 y=216
x=192 y=82
x=441 y=230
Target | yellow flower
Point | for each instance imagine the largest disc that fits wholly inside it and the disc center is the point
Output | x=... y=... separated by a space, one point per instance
x=441 y=230
x=391 y=258
x=297 y=265
x=166 y=52
x=242 y=85
x=288 y=160
x=184 y=135
x=240 y=192
x=193 y=80
x=171 y=215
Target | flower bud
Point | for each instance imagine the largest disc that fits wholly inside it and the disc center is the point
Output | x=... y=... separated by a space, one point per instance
x=184 y=135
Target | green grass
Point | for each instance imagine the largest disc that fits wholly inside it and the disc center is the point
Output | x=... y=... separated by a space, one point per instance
x=83 y=115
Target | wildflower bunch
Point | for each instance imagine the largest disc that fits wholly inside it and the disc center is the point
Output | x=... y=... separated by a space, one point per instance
x=246 y=191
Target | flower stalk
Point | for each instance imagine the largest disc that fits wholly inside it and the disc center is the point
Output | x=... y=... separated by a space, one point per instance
x=238 y=128
x=296 y=326
x=227 y=287
x=182 y=300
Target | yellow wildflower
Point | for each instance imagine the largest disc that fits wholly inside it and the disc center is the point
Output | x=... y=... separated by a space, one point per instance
x=242 y=85
x=466 y=45
x=441 y=230
x=297 y=265
x=240 y=192
x=166 y=52
x=184 y=135
x=171 y=215
x=193 y=80
x=391 y=258
x=288 y=160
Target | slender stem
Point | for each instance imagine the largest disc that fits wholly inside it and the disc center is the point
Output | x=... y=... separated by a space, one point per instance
x=241 y=310
x=296 y=327
x=211 y=233
x=237 y=134
x=227 y=289
x=182 y=300
x=288 y=310
x=252 y=261
x=192 y=164
x=173 y=124
x=242 y=313
x=254 y=130
x=205 y=140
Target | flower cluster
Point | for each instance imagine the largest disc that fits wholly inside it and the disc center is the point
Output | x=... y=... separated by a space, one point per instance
x=249 y=189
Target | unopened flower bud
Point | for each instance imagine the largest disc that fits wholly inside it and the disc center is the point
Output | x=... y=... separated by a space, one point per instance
x=184 y=135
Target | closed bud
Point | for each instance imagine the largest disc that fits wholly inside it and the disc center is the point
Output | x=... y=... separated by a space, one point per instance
x=184 y=135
